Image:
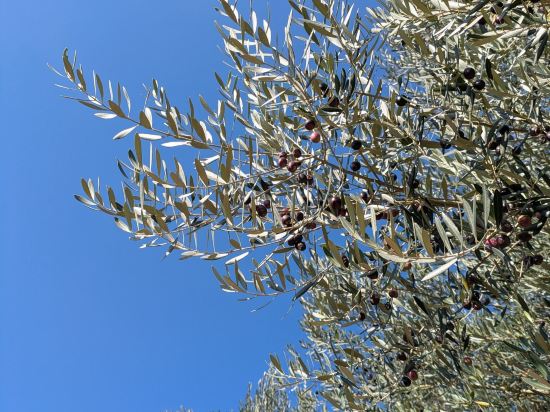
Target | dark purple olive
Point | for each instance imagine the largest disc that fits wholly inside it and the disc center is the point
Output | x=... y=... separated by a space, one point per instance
x=261 y=210
x=335 y=203
x=286 y=220
x=267 y=203
x=334 y=102
x=479 y=84
x=524 y=220
x=293 y=166
x=504 y=129
x=310 y=125
x=356 y=144
x=282 y=162
x=299 y=216
x=294 y=240
x=372 y=274
x=355 y=166
x=537 y=259
x=493 y=144
x=469 y=73
x=401 y=101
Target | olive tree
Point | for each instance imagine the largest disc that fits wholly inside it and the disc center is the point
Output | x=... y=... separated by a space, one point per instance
x=386 y=166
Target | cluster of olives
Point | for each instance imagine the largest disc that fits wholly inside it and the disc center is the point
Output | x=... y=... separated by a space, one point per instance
x=411 y=376
x=336 y=206
x=294 y=164
x=315 y=136
x=537 y=131
x=297 y=242
x=261 y=208
x=469 y=73
x=498 y=242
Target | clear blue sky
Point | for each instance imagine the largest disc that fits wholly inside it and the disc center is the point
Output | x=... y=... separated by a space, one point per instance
x=88 y=321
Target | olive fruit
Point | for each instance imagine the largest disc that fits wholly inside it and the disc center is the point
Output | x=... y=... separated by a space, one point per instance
x=401 y=101
x=315 y=137
x=504 y=129
x=335 y=203
x=469 y=73
x=413 y=375
x=293 y=166
x=479 y=84
x=372 y=274
x=537 y=259
x=524 y=220
x=356 y=144
x=286 y=220
x=261 y=210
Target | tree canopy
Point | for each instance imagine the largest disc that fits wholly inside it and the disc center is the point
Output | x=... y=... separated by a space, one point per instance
x=388 y=167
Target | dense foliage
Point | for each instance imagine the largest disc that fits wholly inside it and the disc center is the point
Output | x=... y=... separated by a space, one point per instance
x=387 y=166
